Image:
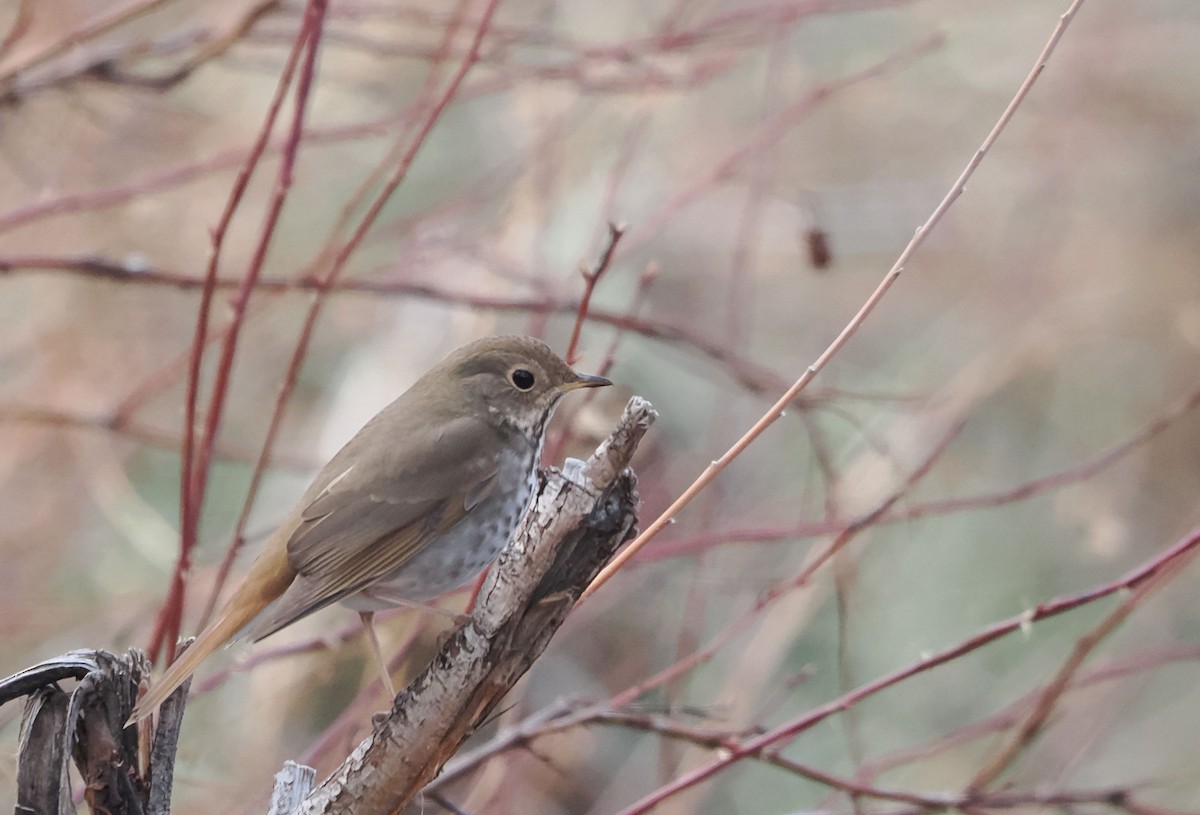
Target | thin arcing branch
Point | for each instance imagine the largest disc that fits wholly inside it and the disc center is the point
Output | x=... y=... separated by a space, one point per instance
x=771 y=416
x=1165 y=561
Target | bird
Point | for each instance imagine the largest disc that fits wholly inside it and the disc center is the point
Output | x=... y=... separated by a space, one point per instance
x=418 y=502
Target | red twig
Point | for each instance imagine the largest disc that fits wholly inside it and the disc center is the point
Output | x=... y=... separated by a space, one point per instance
x=20 y=25
x=401 y=171
x=753 y=377
x=740 y=624
x=590 y=278
x=594 y=58
x=120 y=424
x=1027 y=489
x=856 y=322
x=196 y=459
x=718 y=740
x=1005 y=718
x=567 y=714
x=324 y=286
x=90 y=29
x=790 y=729
x=559 y=441
x=1054 y=690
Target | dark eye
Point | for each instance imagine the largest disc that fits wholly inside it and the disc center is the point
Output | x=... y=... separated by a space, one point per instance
x=522 y=378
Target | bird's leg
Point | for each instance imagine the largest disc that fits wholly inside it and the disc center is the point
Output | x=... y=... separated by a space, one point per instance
x=368 y=618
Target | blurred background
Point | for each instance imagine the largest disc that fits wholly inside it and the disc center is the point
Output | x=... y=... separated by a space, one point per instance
x=1055 y=313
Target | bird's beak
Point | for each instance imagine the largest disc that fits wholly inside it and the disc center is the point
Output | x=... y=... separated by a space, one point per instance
x=584 y=381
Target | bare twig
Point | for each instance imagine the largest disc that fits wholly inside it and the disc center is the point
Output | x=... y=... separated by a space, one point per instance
x=1008 y=716
x=568 y=714
x=1054 y=690
x=741 y=623
x=1075 y=474
x=771 y=416
x=748 y=374
x=20 y=25
x=196 y=457
x=325 y=282
x=110 y=19
x=590 y=278
x=1165 y=561
x=718 y=740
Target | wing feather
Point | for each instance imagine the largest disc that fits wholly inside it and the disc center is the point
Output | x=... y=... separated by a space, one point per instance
x=371 y=511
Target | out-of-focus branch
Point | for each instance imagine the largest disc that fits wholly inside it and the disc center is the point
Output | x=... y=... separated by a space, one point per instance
x=1032 y=488
x=856 y=322
x=212 y=48
x=101 y=23
x=568 y=714
x=328 y=279
x=197 y=453
x=740 y=624
x=78 y=56
x=1056 y=687
x=1166 y=561
x=20 y=26
x=590 y=278
x=1141 y=663
x=670 y=728
x=122 y=426
x=753 y=377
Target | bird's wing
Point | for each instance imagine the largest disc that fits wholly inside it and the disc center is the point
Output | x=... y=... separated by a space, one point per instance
x=385 y=506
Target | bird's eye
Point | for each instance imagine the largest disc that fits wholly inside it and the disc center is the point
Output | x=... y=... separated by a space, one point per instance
x=522 y=379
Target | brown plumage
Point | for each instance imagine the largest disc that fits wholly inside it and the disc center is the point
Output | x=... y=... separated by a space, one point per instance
x=416 y=503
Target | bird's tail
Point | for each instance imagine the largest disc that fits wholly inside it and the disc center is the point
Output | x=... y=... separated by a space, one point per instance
x=219 y=632
x=270 y=575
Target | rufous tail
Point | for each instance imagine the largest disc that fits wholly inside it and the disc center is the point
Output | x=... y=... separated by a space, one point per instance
x=210 y=639
x=269 y=577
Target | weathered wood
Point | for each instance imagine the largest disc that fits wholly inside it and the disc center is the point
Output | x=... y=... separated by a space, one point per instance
x=87 y=725
x=42 y=784
x=162 y=751
x=292 y=785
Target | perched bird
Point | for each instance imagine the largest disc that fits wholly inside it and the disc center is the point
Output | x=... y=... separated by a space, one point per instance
x=419 y=501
